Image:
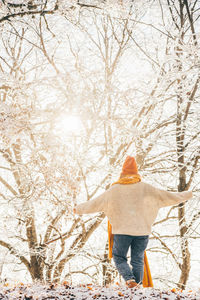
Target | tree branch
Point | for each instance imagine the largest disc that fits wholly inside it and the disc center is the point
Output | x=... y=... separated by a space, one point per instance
x=14 y=252
x=168 y=249
x=8 y=186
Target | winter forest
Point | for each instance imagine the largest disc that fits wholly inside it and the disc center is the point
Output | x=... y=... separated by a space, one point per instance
x=83 y=84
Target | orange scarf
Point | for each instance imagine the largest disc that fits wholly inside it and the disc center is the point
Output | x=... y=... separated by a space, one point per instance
x=147 y=279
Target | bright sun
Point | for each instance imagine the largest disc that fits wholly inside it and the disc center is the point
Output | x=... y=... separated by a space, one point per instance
x=69 y=124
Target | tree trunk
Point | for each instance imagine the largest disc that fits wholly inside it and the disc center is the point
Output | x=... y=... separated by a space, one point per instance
x=183 y=228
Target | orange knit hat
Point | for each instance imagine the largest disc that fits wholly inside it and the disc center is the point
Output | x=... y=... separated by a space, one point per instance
x=129 y=166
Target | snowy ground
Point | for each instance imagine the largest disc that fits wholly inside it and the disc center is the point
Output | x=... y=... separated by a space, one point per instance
x=42 y=292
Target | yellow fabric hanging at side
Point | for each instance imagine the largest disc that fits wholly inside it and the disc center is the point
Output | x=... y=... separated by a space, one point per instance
x=147 y=279
x=110 y=240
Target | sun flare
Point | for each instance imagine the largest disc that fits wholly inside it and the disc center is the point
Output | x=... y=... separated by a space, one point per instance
x=70 y=124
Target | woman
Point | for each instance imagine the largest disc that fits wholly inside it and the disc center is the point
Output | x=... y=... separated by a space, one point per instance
x=131 y=207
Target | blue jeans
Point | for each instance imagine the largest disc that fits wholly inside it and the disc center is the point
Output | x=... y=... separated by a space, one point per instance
x=138 y=245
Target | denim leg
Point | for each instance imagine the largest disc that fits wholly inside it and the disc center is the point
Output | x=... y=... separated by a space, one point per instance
x=120 y=248
x=138 y=246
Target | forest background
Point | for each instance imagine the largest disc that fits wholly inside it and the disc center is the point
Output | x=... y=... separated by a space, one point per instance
x=83 y=84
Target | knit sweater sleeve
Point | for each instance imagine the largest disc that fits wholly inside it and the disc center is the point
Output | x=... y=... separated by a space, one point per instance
x=98 y=204
x=172 y=198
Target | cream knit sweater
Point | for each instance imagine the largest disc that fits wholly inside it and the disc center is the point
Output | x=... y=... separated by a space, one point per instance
x=132 y=208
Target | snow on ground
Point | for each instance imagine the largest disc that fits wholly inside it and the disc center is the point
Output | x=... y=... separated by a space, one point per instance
x=90 y=292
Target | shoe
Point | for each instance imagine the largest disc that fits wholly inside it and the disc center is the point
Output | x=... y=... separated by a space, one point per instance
x=131 y=283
